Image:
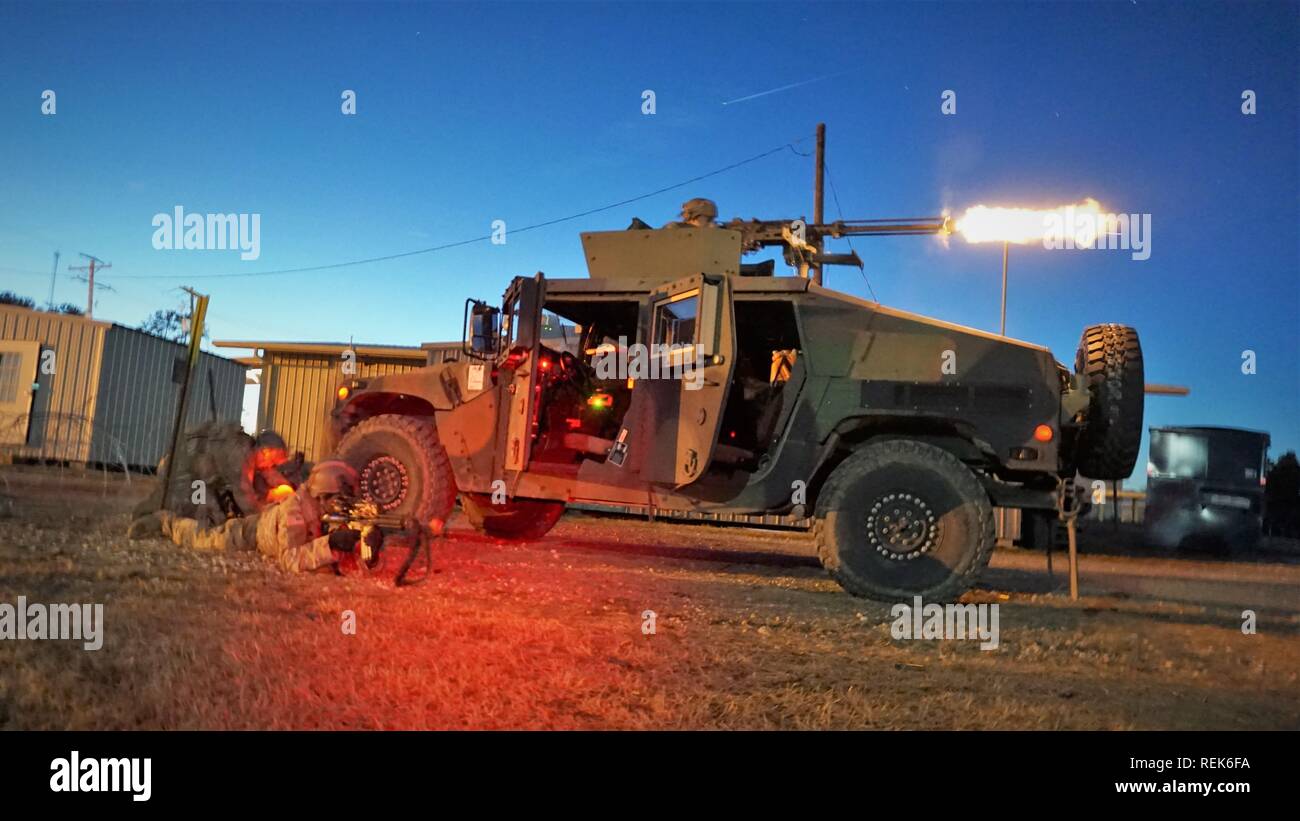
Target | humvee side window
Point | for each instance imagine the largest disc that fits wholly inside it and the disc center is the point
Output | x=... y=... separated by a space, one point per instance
x=559 y=334
x=513 y=322
x=675 y=320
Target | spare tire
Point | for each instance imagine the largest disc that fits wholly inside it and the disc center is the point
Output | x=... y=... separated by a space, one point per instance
x=1110 y=359
x=516 y=519
x=401 y=466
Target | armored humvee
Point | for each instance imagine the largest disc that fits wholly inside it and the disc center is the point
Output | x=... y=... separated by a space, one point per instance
x=1205 y=488
x=677 y=377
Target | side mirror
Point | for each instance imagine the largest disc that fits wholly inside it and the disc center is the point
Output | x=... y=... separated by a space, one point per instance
x=482 y=330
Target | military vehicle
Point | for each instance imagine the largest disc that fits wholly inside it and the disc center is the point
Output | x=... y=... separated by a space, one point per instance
x=1205 y=488
x=739 y=391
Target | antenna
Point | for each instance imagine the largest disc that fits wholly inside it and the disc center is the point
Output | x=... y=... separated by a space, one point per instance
x=54 y=274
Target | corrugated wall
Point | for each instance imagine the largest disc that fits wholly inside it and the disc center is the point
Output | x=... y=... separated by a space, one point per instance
x=441 y=351
x=298 y=392
x=137 y=397
x=63 y=408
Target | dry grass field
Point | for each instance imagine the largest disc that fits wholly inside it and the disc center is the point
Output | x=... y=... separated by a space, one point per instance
x=749 y=633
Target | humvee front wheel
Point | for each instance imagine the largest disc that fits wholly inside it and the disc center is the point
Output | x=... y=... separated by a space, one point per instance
x=521 y=519
x=401 y=466
x=903 y=518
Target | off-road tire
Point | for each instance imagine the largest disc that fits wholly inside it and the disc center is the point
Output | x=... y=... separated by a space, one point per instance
x=956 y=541
x=1110 y=356
x=376 y=443
x=515 y=520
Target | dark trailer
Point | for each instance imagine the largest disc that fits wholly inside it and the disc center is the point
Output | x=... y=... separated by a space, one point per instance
x=1205 y=487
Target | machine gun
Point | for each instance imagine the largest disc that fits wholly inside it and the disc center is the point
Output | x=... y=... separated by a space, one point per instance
x=364 y=516
x=358 y=514
x=804 y=243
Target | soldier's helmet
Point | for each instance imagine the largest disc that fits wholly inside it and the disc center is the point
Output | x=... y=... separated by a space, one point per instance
x=269 y=450
x=332 y=477
x=269 y=439
x=699 y=210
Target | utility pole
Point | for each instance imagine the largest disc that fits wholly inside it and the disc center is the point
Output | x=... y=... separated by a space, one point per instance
x=54 y=274
x=1006 y=250
x=197 y=316
x=95 y=262
x=819 y=195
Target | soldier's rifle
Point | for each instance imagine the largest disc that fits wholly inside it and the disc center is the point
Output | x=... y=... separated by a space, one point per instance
x=364 y=516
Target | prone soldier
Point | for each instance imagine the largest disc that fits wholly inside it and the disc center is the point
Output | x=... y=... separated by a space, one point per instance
x=290 y=532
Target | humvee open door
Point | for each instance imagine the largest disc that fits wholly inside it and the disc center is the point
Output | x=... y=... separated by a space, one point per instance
x=692 y=351
x=520 y=340
x=678 y=370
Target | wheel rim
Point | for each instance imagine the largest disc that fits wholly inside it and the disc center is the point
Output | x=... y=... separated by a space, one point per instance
x=902 y=526
x=384 y=481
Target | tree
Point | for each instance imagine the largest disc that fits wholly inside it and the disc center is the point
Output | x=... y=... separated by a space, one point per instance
x=1282 y=493
x=10 y=298
x=1283 y=483
x=169 y=324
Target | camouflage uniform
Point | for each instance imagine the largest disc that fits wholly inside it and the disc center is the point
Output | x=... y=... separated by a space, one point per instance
x=235 y=480
x=214 y=452
x=289 y=532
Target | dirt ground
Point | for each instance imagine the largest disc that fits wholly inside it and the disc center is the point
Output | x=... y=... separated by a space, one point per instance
x=749 y=633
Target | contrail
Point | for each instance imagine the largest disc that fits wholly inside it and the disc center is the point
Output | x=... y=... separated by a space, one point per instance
x=784 y=88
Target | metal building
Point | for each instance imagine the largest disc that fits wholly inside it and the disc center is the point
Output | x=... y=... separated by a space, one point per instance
x=298 y=380
x=84 y=391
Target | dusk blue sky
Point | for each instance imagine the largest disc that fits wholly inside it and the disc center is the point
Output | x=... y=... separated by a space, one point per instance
x=472 y=113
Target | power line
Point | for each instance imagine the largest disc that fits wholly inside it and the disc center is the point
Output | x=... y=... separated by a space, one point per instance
x=26 y=271
x=836 y=196
x=331 y=266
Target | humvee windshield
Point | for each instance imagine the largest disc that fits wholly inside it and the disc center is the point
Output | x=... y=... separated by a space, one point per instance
x=1224 y=457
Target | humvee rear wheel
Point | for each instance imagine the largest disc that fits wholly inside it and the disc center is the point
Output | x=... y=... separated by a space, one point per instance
x=1110 y=357
x=903 y=518
x=401 y=466
x=521 y=519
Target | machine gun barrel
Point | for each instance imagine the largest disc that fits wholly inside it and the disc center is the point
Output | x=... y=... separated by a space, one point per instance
x=756 y=234
x=383 y=522
x=804 y=242
x=884 y=227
